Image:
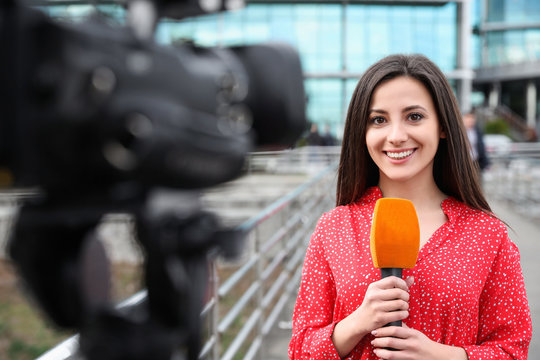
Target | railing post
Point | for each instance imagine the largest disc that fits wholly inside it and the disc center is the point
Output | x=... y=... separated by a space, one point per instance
x=215 y=310
x=260 y=290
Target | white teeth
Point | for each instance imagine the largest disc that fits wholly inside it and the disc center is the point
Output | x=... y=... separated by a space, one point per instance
x=399 y=155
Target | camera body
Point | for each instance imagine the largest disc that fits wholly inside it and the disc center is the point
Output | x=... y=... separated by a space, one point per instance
x=90 y=105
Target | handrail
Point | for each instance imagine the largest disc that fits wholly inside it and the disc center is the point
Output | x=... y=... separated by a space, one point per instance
x=280 y=203
x=297 y=239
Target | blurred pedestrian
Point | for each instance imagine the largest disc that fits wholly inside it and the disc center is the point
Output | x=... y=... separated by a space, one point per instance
x=314 y=138
x=476 y=139
x=465 y=298
x=327 y=138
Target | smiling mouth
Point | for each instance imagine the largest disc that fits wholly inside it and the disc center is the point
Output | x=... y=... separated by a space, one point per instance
x=398 y=155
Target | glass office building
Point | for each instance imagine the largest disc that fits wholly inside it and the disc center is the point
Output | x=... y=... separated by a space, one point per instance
x=508 y=74
x=337 y=41
x=511 y=32
x=489 y=49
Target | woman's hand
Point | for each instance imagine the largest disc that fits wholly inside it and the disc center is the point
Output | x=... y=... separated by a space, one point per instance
x=411 y=344
x=386 y=300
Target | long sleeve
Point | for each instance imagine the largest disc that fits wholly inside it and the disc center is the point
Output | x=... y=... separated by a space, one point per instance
x=505 y=327
x=312 y=319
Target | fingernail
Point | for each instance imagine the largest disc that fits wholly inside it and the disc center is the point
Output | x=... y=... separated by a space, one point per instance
x=374 y=332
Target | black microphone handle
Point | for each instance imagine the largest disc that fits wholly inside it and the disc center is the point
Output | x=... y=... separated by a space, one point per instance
x=397 y=272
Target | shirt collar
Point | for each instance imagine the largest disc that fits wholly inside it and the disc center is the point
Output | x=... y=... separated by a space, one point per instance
x=452 y=208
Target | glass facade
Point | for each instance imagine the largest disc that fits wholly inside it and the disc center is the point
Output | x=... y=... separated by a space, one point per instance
x=512 y=46
x=376 y=31
x=314 y=30
x=513 y=11
x=510 y=39
x=336 y=42
x=324 y=102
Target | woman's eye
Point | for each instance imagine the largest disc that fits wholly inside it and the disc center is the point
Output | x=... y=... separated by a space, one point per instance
x=377 y=120
x=416 y=117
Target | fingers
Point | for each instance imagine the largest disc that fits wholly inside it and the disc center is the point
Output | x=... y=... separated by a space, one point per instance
x=389 y=353
x=389 y=343
x=394 y=294
x=393 y=282
x=394 y=305
x=390 y=288
x=410 y=343
x=392 y=331
x=391 y=337
x=388 y=317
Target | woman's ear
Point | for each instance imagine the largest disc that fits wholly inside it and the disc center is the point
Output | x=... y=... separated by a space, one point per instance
x=443 y=135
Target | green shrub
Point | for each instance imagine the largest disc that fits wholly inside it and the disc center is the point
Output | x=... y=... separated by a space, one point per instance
x=19 y=349
x=497 y=126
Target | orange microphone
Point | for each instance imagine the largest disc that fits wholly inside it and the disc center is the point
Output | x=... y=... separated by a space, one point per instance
x=395 y=237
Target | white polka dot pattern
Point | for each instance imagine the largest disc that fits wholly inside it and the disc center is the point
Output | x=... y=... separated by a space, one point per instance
x=468 y=288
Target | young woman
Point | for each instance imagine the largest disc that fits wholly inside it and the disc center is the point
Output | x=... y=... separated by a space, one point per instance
x=465 y=298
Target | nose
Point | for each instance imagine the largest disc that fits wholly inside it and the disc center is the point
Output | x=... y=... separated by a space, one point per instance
x=397 y=133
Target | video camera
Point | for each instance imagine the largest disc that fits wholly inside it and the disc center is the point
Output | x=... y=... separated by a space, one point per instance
x=100 y=119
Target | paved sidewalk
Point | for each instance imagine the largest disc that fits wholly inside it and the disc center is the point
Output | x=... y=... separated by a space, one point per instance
x=524 y=232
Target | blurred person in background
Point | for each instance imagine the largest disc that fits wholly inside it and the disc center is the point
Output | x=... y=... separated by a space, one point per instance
x=314 y=138
x=476 y=139
x=327 y=137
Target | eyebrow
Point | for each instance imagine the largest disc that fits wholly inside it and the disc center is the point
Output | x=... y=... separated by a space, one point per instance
x=408 y=108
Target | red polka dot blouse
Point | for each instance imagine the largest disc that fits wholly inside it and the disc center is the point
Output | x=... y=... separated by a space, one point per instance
x=468 y=289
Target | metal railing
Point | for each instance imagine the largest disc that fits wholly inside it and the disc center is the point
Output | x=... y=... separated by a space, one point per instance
x=294 y=160
x=279 y=235
x=514 y=177
x=250 y=294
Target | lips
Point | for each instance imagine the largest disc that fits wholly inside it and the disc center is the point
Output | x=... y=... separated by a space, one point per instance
x=399 y=155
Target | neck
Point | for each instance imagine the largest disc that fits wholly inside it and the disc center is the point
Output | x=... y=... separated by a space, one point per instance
x=424 y=195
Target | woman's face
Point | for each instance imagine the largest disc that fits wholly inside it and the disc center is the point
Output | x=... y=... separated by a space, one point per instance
x=403 y=131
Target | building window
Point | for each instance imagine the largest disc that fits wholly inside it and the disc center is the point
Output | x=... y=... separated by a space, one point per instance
x=513 y=46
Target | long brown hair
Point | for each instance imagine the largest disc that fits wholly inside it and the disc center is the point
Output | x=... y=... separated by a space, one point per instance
x=454 y=171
